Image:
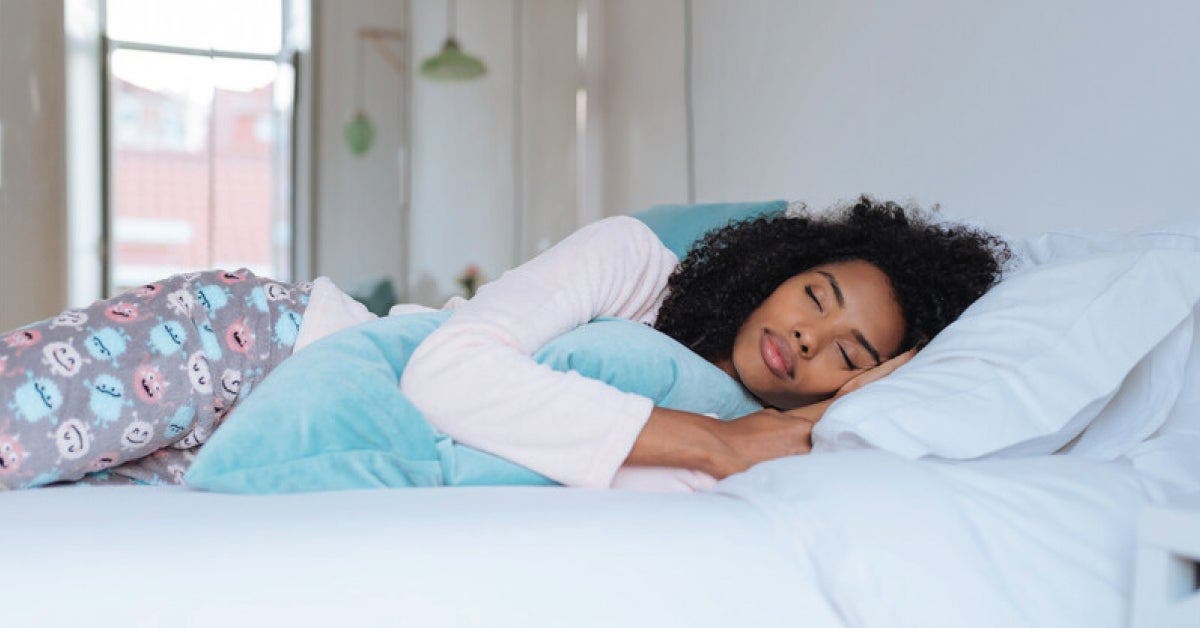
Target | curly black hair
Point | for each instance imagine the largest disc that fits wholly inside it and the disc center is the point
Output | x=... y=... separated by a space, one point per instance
x=935 y=270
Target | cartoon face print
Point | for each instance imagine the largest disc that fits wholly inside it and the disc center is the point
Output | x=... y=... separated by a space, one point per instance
x=62 y=359
x=181 y=302
x=36 y=399
x=198 y=373
x=122 y=312
x=277 y=292
x=211 y=297
x=72 y=319
x=257 y=299
x=73 y=438
x=208 y=340
x=194 y=438
x=12 y=454
x=239 y=337
x=137 y=435
x=22 y=339
x=147 y=291
x=167 y=337
x=107 y=399
x=149 y=385
x=107 y=344
x=219 y=407
x=287 y=328
x=237 y=276
x=231 y=383
x=104 y=461
x=180 y=422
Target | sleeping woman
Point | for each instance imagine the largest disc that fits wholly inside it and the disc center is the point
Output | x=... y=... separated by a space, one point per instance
x=799 y=310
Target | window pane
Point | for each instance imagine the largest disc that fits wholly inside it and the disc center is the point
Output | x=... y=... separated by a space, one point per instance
x=238 y=25
x=198 y=166
x=247 y=170
x=159 y=130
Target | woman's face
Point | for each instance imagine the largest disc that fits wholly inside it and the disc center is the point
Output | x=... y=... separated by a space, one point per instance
x=815 y=332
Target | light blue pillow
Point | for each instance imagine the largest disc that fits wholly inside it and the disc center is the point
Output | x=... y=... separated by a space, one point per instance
x=332 y=416
x=679 y=226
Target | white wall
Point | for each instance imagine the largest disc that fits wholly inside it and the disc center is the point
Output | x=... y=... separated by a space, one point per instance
x=1025 y=115
x=493 y=159
x=359 y=222
x=33 y=268
x=642 y=102
x=462 y=150
x=549 y=76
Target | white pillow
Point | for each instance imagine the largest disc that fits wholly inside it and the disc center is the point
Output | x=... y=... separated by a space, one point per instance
x=1029 y=365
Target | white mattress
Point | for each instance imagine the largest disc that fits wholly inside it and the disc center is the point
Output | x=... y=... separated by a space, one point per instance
x=865 y=537
x=155 y=556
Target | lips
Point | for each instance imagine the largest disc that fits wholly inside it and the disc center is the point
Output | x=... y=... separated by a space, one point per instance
x=777 y=355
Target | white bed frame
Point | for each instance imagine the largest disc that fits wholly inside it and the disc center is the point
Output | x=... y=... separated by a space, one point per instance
x=1166 y=591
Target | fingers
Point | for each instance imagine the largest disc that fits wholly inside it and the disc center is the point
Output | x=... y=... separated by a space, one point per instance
x=803 y=438
x=876 y=373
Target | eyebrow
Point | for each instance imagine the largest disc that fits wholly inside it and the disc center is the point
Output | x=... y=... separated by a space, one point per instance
x=841 y=299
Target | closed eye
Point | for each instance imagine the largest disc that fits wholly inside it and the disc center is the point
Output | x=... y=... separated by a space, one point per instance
x=809 y=291
x=846 y=357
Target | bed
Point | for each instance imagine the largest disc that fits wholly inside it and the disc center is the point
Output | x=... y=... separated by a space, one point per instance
x=862 y=538
x=505 y=556
x=903 y=522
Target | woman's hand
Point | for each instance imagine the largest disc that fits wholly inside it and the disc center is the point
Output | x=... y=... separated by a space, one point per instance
x=754 y=438
x=875 y=373
x=673 y=438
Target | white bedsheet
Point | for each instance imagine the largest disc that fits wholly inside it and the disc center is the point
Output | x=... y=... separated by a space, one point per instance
x=161 y=556
x=1009 y=542
x=865 y=538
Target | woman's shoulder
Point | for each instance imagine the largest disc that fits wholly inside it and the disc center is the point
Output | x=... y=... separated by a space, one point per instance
x=625 y=235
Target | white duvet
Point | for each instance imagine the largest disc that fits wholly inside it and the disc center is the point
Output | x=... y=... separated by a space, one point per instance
x=893 y=542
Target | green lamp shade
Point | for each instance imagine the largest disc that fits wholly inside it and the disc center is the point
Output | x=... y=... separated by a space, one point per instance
x=452 y=64
x=359 y=133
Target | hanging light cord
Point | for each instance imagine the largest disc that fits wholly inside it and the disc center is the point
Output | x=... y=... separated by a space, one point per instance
x=360 y=87
x=451 y=19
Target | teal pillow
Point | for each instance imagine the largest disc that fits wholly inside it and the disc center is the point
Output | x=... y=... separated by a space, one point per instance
x=679 y=226
x=332 y=416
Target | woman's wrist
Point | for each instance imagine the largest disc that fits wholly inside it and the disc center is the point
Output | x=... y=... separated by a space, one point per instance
x=674 y=438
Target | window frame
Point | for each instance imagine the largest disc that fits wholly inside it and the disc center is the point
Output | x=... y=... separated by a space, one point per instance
x=288 y=54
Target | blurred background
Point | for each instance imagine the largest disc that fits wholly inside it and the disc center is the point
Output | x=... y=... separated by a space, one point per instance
x=141 y=138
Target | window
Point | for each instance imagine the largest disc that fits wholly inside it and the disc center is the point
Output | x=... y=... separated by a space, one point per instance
x=199 y=101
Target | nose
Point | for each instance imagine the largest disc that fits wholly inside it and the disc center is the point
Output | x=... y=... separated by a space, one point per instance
x=807 y=341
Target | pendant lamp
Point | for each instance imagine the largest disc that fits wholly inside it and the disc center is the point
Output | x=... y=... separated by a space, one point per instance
x=359 y=133
x=451 y=63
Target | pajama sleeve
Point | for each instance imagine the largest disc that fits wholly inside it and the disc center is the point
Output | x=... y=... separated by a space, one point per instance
x=474 y=377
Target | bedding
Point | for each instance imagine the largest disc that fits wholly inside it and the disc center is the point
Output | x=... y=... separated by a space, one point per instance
x=856 y=538
x=1033 y=362
x=333 y=416
x=1040 y=541
x=470 y=556
x=862 y=538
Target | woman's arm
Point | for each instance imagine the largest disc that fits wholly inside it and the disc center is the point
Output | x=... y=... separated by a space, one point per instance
x=681 y=451
x=672 y=438
x=474 y=377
